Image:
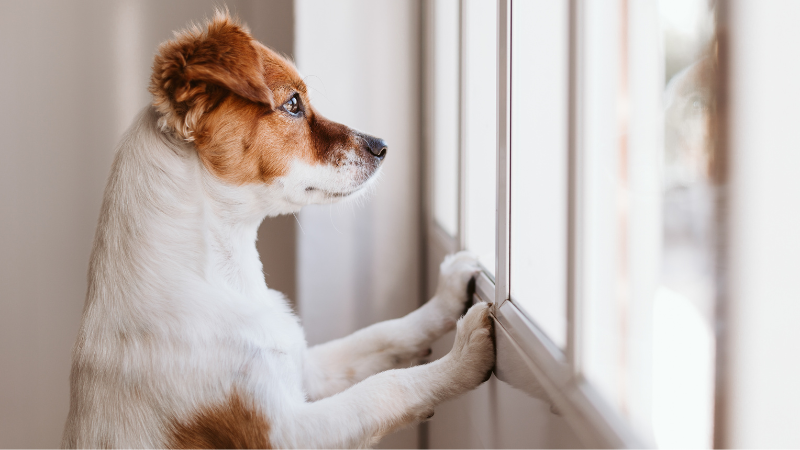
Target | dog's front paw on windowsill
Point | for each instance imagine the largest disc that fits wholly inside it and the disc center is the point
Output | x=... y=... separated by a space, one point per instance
x=455 y=274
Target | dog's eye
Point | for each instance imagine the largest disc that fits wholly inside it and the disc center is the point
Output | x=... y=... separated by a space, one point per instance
x=293 y=105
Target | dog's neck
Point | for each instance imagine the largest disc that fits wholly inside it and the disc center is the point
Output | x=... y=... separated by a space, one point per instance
x=166 y=218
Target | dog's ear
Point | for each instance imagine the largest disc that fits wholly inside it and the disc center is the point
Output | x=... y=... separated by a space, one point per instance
x=195 y=71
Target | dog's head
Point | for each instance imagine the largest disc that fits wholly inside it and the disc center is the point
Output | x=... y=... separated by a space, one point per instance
x=247 y=111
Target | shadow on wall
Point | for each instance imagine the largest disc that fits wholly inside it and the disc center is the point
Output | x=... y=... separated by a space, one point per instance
x=74 y=76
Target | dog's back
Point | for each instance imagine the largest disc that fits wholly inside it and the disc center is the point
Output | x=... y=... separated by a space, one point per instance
x=156 y=328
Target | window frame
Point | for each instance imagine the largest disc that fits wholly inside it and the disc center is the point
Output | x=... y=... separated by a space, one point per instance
x=558 y=372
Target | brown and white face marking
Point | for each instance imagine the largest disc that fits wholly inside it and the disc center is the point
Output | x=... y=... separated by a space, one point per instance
x=248 y=112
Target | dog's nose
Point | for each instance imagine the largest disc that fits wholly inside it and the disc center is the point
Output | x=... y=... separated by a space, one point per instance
x=377 y=147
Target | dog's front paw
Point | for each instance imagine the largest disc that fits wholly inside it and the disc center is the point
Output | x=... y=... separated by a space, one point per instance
x=455 y=273
x=473 y=351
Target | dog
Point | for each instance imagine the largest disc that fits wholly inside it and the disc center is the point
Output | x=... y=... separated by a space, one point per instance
x=181 y=343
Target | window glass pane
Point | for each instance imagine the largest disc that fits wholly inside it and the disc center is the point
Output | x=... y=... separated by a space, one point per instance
x=480 y=127
x=446 y=114
x=683 y=353
x=604 y=278
x=539 y=153
x=647 y=207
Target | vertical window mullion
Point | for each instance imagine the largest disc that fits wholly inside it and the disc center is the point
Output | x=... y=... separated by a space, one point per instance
x=462 y=117
x=573 y=350
x=502 y=281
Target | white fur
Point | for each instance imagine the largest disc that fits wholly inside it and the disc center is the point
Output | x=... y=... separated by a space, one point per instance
x=178 y=314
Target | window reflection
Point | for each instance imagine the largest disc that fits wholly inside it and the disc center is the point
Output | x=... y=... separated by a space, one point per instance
x=684 y=306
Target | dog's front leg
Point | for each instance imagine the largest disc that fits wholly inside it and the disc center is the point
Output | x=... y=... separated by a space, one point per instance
x=334 y=366
x=360 y=415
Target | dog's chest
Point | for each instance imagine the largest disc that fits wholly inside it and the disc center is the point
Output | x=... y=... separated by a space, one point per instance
x=271 y=335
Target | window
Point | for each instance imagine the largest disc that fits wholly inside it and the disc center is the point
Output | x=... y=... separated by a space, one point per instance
x=479 y=105
x=446 y=114
x=539 y=158
x=583 y=175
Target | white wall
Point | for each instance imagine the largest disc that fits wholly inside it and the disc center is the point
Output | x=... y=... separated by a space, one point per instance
x=361 y=263
x=72 y=76
x=760 y=343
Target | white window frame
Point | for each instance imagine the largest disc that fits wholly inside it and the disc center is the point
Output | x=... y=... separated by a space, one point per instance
x=553 y=373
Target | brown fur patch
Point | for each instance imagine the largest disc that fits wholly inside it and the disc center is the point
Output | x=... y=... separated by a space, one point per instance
x=193 y=72
x=233 y=424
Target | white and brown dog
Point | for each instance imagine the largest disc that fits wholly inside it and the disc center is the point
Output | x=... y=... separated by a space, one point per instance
x=182 y=344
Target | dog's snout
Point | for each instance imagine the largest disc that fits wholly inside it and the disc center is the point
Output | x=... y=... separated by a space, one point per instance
x=377 y=147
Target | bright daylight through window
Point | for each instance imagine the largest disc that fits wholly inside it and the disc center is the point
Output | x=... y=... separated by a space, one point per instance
x=683 y=333
x=479 y=102
x=613 y=182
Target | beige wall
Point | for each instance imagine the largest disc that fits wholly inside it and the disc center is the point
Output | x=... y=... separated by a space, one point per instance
x=359 y=263
x=72 y=76
x=758 y=369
